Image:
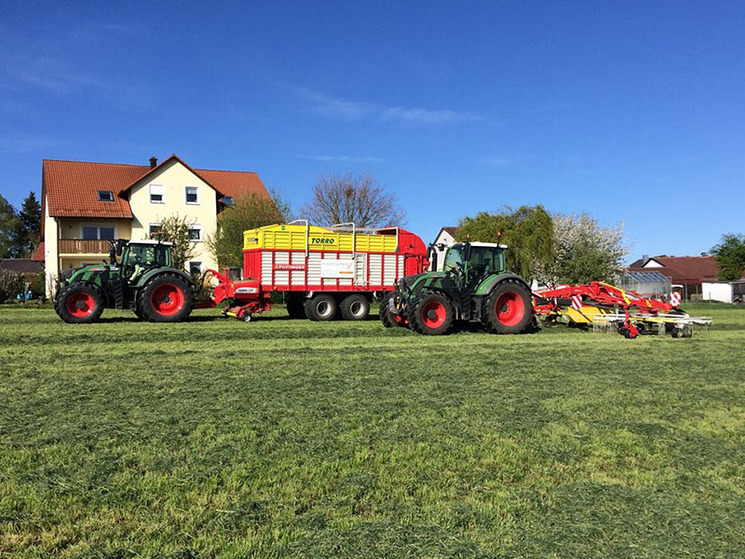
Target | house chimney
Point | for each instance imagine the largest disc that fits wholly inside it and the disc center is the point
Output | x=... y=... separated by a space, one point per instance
x=645 y=257
x=153 y=162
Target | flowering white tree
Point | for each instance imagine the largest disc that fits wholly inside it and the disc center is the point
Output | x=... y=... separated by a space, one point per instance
x=584 y=250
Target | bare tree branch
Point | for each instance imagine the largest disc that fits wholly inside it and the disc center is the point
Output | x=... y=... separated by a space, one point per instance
x=348 y=198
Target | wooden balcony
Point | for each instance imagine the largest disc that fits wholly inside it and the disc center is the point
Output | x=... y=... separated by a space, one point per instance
x=82 y=246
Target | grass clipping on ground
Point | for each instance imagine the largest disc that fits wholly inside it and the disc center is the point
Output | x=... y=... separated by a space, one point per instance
x=215 y=438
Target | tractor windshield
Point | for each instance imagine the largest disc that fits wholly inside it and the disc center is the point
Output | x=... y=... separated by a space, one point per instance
x=148 y=255
x=454 y=259
x=484 y=261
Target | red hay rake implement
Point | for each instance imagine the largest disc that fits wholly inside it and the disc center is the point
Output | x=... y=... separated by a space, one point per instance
x=598 y=303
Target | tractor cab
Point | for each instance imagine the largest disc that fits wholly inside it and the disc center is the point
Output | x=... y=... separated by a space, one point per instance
x=138 y=256
x=469 y=263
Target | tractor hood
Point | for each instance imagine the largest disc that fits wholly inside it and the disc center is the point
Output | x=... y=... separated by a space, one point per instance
x=407 y=283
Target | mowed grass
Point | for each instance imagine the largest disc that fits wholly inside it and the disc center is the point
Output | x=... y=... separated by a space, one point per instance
x=278 y=438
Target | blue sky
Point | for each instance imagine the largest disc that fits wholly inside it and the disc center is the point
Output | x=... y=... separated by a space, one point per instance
x=630 y=111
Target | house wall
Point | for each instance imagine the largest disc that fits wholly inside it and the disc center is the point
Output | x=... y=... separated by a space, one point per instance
x=51 y=256
x=174 y=178
x=446 y=239
x=718 y=291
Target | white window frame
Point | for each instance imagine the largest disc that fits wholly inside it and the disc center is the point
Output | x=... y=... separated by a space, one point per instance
x=198 y=227
x=162 y=193
x=198 y=263
x=186 y=195
x=98 y=230
x=151 y=225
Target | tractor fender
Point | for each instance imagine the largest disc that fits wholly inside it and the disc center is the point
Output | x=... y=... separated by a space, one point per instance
x=488 y=285
x=150 y=274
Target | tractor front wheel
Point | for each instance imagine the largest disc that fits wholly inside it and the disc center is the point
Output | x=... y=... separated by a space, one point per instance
x=79 y=304
x=508 y=309
x=431 y=314
x=387 y=317
x=166 y=298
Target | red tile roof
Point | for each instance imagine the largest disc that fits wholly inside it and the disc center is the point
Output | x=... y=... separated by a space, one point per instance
x=72 y=187
x=38 y=254
x=234 y=183
x=684 y=269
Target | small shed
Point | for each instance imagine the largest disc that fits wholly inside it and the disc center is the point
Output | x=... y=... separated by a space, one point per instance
x=646 y=284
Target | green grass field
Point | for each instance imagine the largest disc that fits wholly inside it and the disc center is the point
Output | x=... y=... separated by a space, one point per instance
x=277 y=438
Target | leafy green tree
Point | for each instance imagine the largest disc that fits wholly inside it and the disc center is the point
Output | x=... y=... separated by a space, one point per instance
x=528 y=231
x=176 y=230
x=9 y=224
x=730 y=255
x=585 y=251
x=28 y=229
x=247 y=212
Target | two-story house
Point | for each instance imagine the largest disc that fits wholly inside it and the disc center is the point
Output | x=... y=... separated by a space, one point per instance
x=86 y=204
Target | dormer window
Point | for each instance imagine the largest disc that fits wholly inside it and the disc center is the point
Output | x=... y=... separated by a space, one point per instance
x=105 y=196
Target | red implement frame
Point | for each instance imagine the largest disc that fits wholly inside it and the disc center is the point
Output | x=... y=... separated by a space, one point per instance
x=244 y=297
x=598 y=294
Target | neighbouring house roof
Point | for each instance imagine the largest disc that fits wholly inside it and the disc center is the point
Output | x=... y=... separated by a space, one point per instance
x=450 y=230
x=682 y=269
x=234 y=183
x=71 y=187
x=38 y=254
x=21 y=265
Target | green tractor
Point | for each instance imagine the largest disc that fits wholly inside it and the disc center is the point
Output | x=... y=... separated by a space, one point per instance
x=473 y=287
x=144 y=280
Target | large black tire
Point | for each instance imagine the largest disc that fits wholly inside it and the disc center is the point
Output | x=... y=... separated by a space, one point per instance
x=79 y=303
x=295 y=307
x=321 y=307
x=386 y=316
x=508 y=308
x=137 y=312
x=355 y=307
x=431 y=314
x=166 y=298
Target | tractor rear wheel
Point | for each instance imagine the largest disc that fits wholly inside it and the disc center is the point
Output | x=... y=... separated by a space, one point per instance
x=431 y=314
x=388 y=319
x=79 y=303
x=166 y=298
x=321 y=307
x=295 y=307
x=355 y=307
x=508 y=309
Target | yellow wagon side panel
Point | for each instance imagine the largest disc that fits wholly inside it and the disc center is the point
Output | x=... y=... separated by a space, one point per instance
x=293 y=237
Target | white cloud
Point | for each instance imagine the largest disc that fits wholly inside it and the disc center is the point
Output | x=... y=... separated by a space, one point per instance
x=357 y=110
x=344 y=158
